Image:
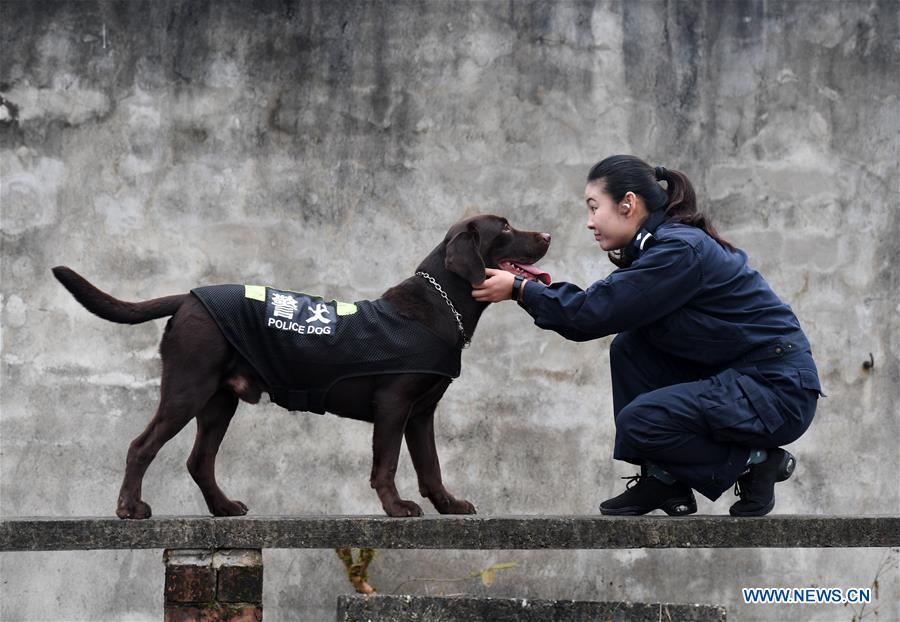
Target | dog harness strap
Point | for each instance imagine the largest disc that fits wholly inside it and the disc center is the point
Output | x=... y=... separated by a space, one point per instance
x=297 y=401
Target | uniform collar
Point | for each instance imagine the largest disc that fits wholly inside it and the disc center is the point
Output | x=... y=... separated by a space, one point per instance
x=644 y=238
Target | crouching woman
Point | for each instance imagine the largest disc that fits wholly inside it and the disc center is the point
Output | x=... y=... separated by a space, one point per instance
x=711 y=372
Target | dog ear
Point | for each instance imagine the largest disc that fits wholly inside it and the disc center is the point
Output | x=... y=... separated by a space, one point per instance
x=462 y=256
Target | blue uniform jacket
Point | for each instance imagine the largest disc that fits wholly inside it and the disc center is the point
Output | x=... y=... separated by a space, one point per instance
x=686 y=293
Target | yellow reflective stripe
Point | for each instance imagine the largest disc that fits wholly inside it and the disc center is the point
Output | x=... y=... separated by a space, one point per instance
x=345 y=308
x=255 y=292
x=258 y=292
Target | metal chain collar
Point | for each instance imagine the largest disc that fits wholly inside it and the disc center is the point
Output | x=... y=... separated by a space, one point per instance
x=459 y=324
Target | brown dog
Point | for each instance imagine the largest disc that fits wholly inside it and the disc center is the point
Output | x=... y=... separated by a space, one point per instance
x=204 y=374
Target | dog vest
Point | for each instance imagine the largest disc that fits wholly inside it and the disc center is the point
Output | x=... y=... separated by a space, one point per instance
x=301 y=345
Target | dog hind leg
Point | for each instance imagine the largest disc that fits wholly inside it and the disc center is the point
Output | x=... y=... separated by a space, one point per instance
x=194 y=356
x=212 y=423
x=170 y=419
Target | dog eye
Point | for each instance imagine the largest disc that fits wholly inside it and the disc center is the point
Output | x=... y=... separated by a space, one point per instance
x=506 y=227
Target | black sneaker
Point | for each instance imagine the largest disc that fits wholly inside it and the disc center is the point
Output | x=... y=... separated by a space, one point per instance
x=756 y=487
x=644 y=494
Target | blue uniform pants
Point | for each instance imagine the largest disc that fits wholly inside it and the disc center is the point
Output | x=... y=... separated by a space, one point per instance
x=701 y=423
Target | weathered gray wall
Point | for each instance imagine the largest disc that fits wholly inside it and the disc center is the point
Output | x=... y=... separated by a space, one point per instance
x=327 y=146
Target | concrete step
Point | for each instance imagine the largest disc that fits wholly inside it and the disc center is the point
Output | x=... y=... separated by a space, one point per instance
x=447 y=532
x=358 y=608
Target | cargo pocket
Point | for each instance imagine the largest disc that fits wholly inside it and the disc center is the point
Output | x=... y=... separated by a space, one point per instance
x=726 y=406
x=809 y=380
x=765 y=409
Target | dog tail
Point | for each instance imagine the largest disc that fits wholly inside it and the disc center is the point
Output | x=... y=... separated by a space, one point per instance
x=103 y=305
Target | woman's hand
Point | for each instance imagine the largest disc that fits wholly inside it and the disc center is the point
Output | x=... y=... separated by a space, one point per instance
x=496 y=287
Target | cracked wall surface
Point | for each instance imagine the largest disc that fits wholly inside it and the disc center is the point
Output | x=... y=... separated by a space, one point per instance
x=327 y=147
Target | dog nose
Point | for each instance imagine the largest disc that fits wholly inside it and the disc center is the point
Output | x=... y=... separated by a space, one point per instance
x=545 y=237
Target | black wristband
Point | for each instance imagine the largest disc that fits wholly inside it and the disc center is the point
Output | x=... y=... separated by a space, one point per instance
x=517 y=286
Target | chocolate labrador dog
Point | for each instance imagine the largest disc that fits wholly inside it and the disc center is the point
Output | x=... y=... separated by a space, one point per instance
x=224 y=344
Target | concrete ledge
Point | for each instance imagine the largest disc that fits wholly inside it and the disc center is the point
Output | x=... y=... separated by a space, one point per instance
x=358 y=608
x=448 y=532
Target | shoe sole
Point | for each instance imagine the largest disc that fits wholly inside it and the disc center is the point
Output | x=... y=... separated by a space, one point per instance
x=785 y=470
x=626 y=511
x=678 y=507
x=787 y=466
x=681 y=507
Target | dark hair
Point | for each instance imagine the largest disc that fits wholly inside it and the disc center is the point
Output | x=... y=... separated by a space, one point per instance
x=624 y=173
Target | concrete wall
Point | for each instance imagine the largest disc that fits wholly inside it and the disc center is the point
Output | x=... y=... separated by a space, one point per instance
x=327 y=146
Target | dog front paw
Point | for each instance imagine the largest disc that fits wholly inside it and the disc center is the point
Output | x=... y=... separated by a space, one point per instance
x=229 y=508
x=461 y=506
x=403 y=509
x=455 y=506
x=134 y=510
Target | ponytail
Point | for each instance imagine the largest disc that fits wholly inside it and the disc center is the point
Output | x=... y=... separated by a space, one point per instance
x=681 y=206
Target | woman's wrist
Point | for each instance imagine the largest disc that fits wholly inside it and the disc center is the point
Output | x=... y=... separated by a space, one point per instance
x=517 y=285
